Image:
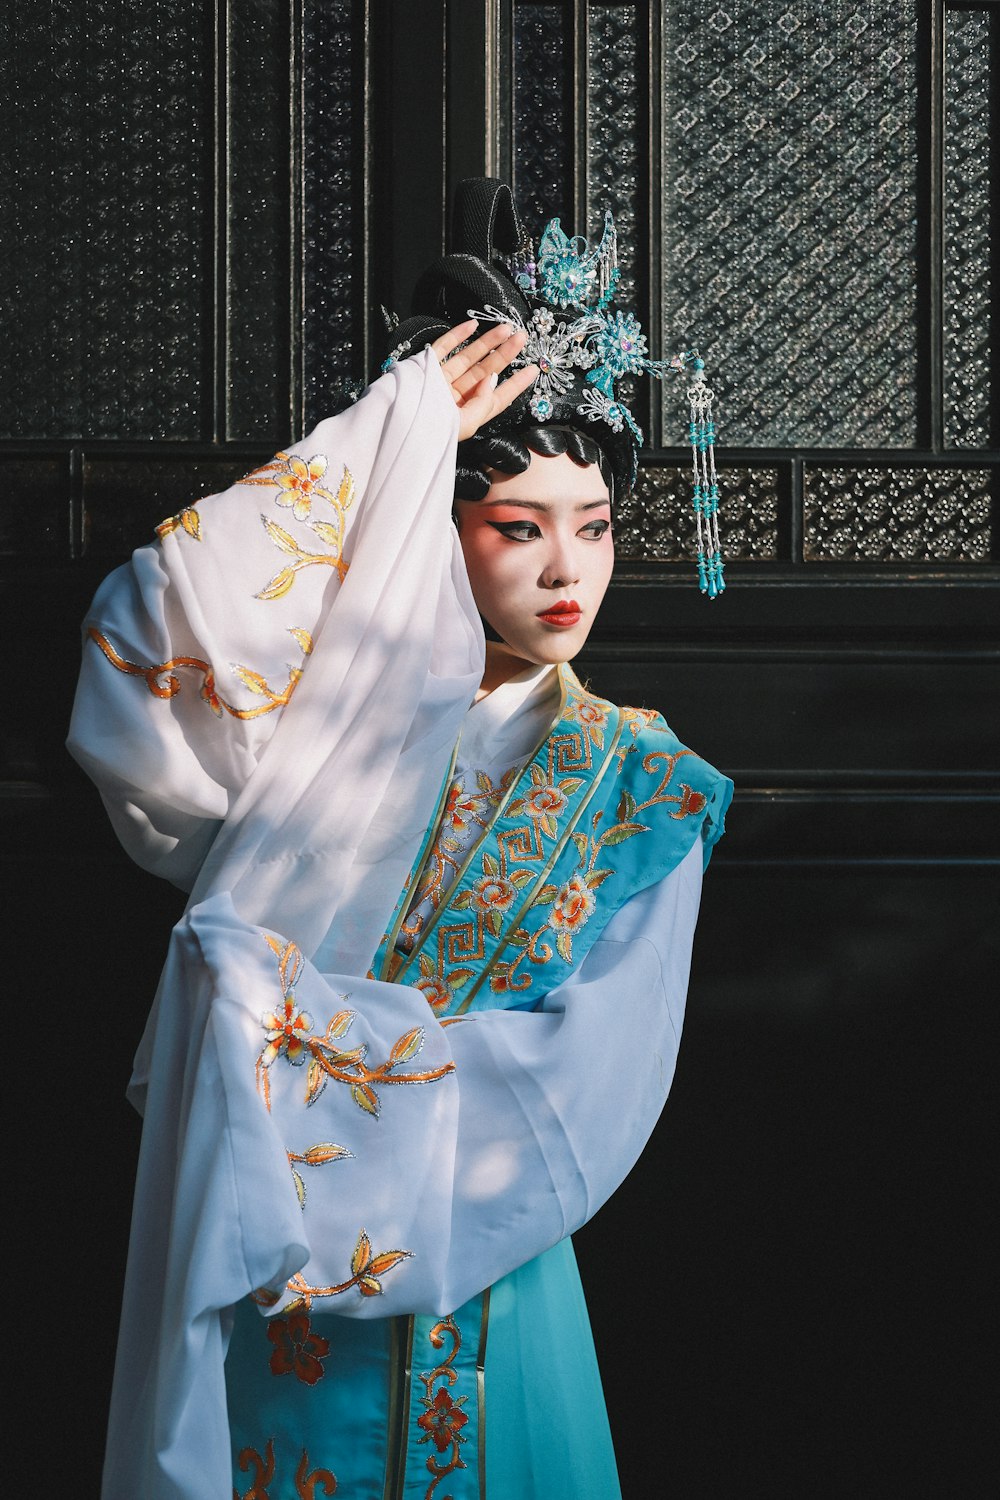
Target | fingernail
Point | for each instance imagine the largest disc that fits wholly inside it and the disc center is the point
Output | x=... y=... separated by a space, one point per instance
x=494 y=378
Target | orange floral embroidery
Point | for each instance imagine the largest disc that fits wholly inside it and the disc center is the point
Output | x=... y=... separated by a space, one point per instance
x=692 y=803
x=493 y=894
x=546 y=801
x=442 y=1419
x=288 y=1033
x=591 y=715
x=462 y=810
x=162 y=682
x=264 y=1471
x=298 y=483
x=573 y=905
x=297 y=1350
x=437 y=994
x=505 y=874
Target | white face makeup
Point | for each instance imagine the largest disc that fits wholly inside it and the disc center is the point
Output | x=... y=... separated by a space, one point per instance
x=539 y=554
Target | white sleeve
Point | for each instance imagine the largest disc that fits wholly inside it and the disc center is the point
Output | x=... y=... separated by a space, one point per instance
x=534 y=1119
x=523 y=1124
x=193 y=649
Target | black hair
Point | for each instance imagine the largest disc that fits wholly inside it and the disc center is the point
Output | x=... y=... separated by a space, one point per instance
x=486 y=228
x=510 y=453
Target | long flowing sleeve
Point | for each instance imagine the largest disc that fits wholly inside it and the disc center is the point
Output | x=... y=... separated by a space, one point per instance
x=193 y=650
x=491 y=1138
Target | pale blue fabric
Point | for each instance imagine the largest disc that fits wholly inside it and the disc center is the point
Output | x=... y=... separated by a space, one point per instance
x=547 y=1433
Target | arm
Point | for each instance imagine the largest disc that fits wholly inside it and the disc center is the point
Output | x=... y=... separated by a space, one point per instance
x=524 y=1123
x=193 y=650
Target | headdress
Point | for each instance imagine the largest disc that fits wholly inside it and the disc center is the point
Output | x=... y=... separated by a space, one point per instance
x=562 y=298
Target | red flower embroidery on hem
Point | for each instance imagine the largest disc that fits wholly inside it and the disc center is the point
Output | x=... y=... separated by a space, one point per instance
x=296 y=1348
x=443 y=1422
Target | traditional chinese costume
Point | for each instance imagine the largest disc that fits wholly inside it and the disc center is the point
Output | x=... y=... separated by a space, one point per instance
x=382 y=1079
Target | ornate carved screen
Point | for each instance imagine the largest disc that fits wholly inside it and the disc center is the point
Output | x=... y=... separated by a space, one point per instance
x=806 y=192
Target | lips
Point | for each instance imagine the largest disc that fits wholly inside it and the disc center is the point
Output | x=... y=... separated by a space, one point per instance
x=563 y=614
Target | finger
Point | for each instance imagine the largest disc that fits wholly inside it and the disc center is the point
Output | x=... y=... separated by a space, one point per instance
x=487 y=401
x=494 y=363
x=514 y=386
x=462 y=360
x=447 y=342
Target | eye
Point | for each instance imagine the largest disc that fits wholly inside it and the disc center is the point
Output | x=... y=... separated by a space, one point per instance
x=594 y=530
x=517 y=531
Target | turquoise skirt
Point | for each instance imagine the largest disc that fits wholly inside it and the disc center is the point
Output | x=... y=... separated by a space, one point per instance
x=501 y=1399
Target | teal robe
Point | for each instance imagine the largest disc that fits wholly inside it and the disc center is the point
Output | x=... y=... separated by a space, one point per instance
x=503 y=1397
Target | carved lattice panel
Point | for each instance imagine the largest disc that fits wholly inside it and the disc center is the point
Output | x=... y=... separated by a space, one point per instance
x=899 y=515
x=333 y=353
x=790 y=211
x=969 y=187
x=108 y=209
x=657 y=522
x=259 y=267
x=543 y=113
x=614 y=158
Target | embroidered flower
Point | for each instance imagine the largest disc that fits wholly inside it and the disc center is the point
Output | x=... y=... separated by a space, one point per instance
x=437 y=994
x=443 y=1422
x=300 y=486
x=691 y=802
x=545 y=801
x=591 y=716
x=493 y=894
x=286 y=1032
x=297 y=1350
x=573 y=906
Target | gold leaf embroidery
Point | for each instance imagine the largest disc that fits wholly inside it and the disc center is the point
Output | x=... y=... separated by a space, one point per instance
x=297 y=479
x=187 y=520
x=288 y=1033
x=162 y=681
x=366 y=1268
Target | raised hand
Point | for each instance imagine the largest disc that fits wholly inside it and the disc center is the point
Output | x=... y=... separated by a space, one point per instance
x=473 y=372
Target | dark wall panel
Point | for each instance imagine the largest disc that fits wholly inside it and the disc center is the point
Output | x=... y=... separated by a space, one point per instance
x=787 y=1292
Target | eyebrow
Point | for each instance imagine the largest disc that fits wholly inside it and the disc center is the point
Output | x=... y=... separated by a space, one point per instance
x=544 y=505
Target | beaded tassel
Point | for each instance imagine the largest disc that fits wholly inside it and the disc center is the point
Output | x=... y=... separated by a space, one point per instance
x=701 y=431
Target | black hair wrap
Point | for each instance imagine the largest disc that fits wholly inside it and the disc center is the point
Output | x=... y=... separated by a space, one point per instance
x=485 y=230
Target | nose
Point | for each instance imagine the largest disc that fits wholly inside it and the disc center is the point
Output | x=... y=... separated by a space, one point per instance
x=560 y=570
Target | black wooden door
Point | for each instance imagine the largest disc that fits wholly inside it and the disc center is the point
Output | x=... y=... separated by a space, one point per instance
x=207 y=204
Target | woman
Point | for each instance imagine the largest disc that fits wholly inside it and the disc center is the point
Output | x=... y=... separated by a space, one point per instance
x=438 y=893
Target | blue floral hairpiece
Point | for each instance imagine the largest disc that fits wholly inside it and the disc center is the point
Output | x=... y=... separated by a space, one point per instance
x=609 y=346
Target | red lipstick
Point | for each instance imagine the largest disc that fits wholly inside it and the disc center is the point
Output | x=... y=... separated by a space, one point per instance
x=563 y=614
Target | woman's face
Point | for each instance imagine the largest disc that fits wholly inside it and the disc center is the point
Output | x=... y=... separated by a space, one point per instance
x=539 y=554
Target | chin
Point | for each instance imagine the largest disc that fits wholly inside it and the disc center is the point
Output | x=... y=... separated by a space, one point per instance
x=558 y=648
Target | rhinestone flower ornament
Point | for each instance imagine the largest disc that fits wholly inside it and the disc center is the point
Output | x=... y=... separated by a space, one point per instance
x=620 y=347
x=574 y=329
